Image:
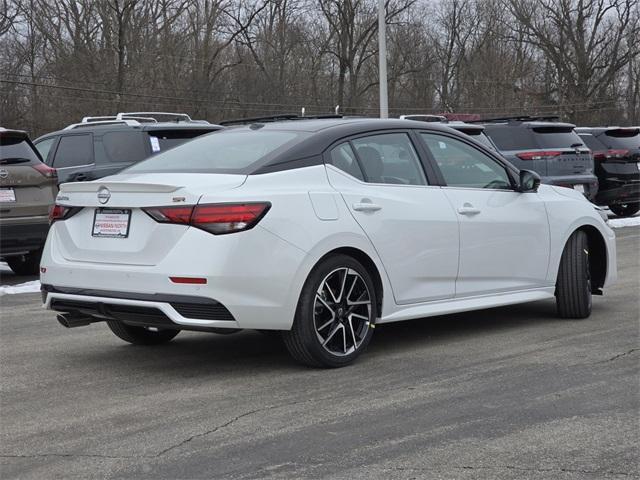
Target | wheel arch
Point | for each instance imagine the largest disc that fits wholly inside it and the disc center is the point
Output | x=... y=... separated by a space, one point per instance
x=597 y=256
x=368 y=263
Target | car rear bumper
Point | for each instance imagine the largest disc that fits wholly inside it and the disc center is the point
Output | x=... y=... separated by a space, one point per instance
x=248 y=283
x=589 y=183
x=625 y=193
x=22 y=235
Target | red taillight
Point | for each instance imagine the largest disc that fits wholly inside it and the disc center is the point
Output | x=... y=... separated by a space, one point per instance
x=46 y=170
x=606 y=154
x=171 y=214
x=60 y=212
x=538 y=155
x=617 y=153
x=216 y=218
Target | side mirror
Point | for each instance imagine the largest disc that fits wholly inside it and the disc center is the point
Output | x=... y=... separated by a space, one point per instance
x=529 y=181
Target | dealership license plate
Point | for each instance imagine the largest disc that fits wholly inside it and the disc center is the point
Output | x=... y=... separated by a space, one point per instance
x=111 y=223
x=7 y=195
x=579 y=187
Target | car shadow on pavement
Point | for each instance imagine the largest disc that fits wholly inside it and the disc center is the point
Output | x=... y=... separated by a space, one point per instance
x=7 y=277
x=249 y=352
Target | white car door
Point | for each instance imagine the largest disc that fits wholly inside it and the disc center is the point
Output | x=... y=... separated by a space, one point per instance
x=411 y=225
x=504 y=234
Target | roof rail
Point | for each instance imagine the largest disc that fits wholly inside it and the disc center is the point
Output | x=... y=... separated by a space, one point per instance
x=91 y=122
x=177 y=117
x=277 y=118
x=424 y=117
x=517 y=118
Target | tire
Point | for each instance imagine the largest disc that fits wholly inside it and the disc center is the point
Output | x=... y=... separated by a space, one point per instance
x=332 y=330
x=28 y=264
x=573 y=287
x=140 y=335
x=625 y=209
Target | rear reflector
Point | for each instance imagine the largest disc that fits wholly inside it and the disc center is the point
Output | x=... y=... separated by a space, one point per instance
x=538 y=155
x=189 y=280
x=216 y=218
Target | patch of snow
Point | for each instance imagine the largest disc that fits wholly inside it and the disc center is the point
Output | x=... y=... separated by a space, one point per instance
x=624 y=222
x=27 y=287
x=4 y=267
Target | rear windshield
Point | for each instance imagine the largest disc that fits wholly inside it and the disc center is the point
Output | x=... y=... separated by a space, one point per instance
x=592 y=142
x=231 y=152
x=557 y=137
x=15 y=150
x=522 y=137
x=511 y=138
x=628 y=138
x=161 y=140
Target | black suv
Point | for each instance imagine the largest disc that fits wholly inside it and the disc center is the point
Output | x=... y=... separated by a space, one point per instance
x=616 y=153
x=101 y=146
x=550 y=148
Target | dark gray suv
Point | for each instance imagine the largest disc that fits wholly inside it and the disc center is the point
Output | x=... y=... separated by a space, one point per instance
x=101 y=146
x=550 y=148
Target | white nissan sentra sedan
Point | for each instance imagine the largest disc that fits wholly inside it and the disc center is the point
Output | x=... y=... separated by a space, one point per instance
x=321 y=229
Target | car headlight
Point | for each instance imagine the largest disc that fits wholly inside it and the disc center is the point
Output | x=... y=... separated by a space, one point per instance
x=602 y=212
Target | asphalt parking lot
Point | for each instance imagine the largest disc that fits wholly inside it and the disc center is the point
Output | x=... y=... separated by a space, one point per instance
x=503 y=393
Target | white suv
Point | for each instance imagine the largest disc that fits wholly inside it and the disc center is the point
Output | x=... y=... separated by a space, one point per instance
x=319 y=228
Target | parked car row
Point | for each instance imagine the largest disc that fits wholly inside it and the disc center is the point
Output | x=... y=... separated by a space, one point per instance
x=603 y=163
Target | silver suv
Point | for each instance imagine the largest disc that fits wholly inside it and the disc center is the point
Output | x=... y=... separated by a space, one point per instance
x=550 y=148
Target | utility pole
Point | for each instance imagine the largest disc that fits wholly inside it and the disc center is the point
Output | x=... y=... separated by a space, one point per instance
x=382 y=59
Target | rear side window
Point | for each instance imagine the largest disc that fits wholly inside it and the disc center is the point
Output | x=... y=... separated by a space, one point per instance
x=161 y=140
x=389 y=158
x=44 y=147
x=556 y=137
x=73 y=151
x=124 y=147
x=342 y=157
x=239 y=152
x=628 y=138
x=511 y=137
x=16 y=150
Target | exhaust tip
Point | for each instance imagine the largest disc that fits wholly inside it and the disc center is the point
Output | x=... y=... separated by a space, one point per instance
x=70 y=320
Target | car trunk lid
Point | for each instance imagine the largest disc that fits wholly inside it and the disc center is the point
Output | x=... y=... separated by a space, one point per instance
x=112 y=226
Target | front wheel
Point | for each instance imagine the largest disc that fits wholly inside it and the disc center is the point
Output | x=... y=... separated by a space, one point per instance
x=573 y=286
x=335 y=316
x=625 y=209
x=140 y=335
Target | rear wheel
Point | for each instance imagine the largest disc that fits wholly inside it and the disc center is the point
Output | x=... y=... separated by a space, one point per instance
x=335 y=315
x=625 y=209
x=573 y=287
x=140 y=335
x=28 y=264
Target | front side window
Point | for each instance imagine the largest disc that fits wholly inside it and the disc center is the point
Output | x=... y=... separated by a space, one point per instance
x=342 y=157
x=389 y=158
x=462 y=165
x=73 y=151
x=44 y=147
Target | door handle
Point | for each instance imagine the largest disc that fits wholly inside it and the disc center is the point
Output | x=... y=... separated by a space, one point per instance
x=468 y=209
x=366 y=207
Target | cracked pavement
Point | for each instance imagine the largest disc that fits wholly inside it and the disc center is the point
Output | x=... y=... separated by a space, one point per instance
x=506 y=393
